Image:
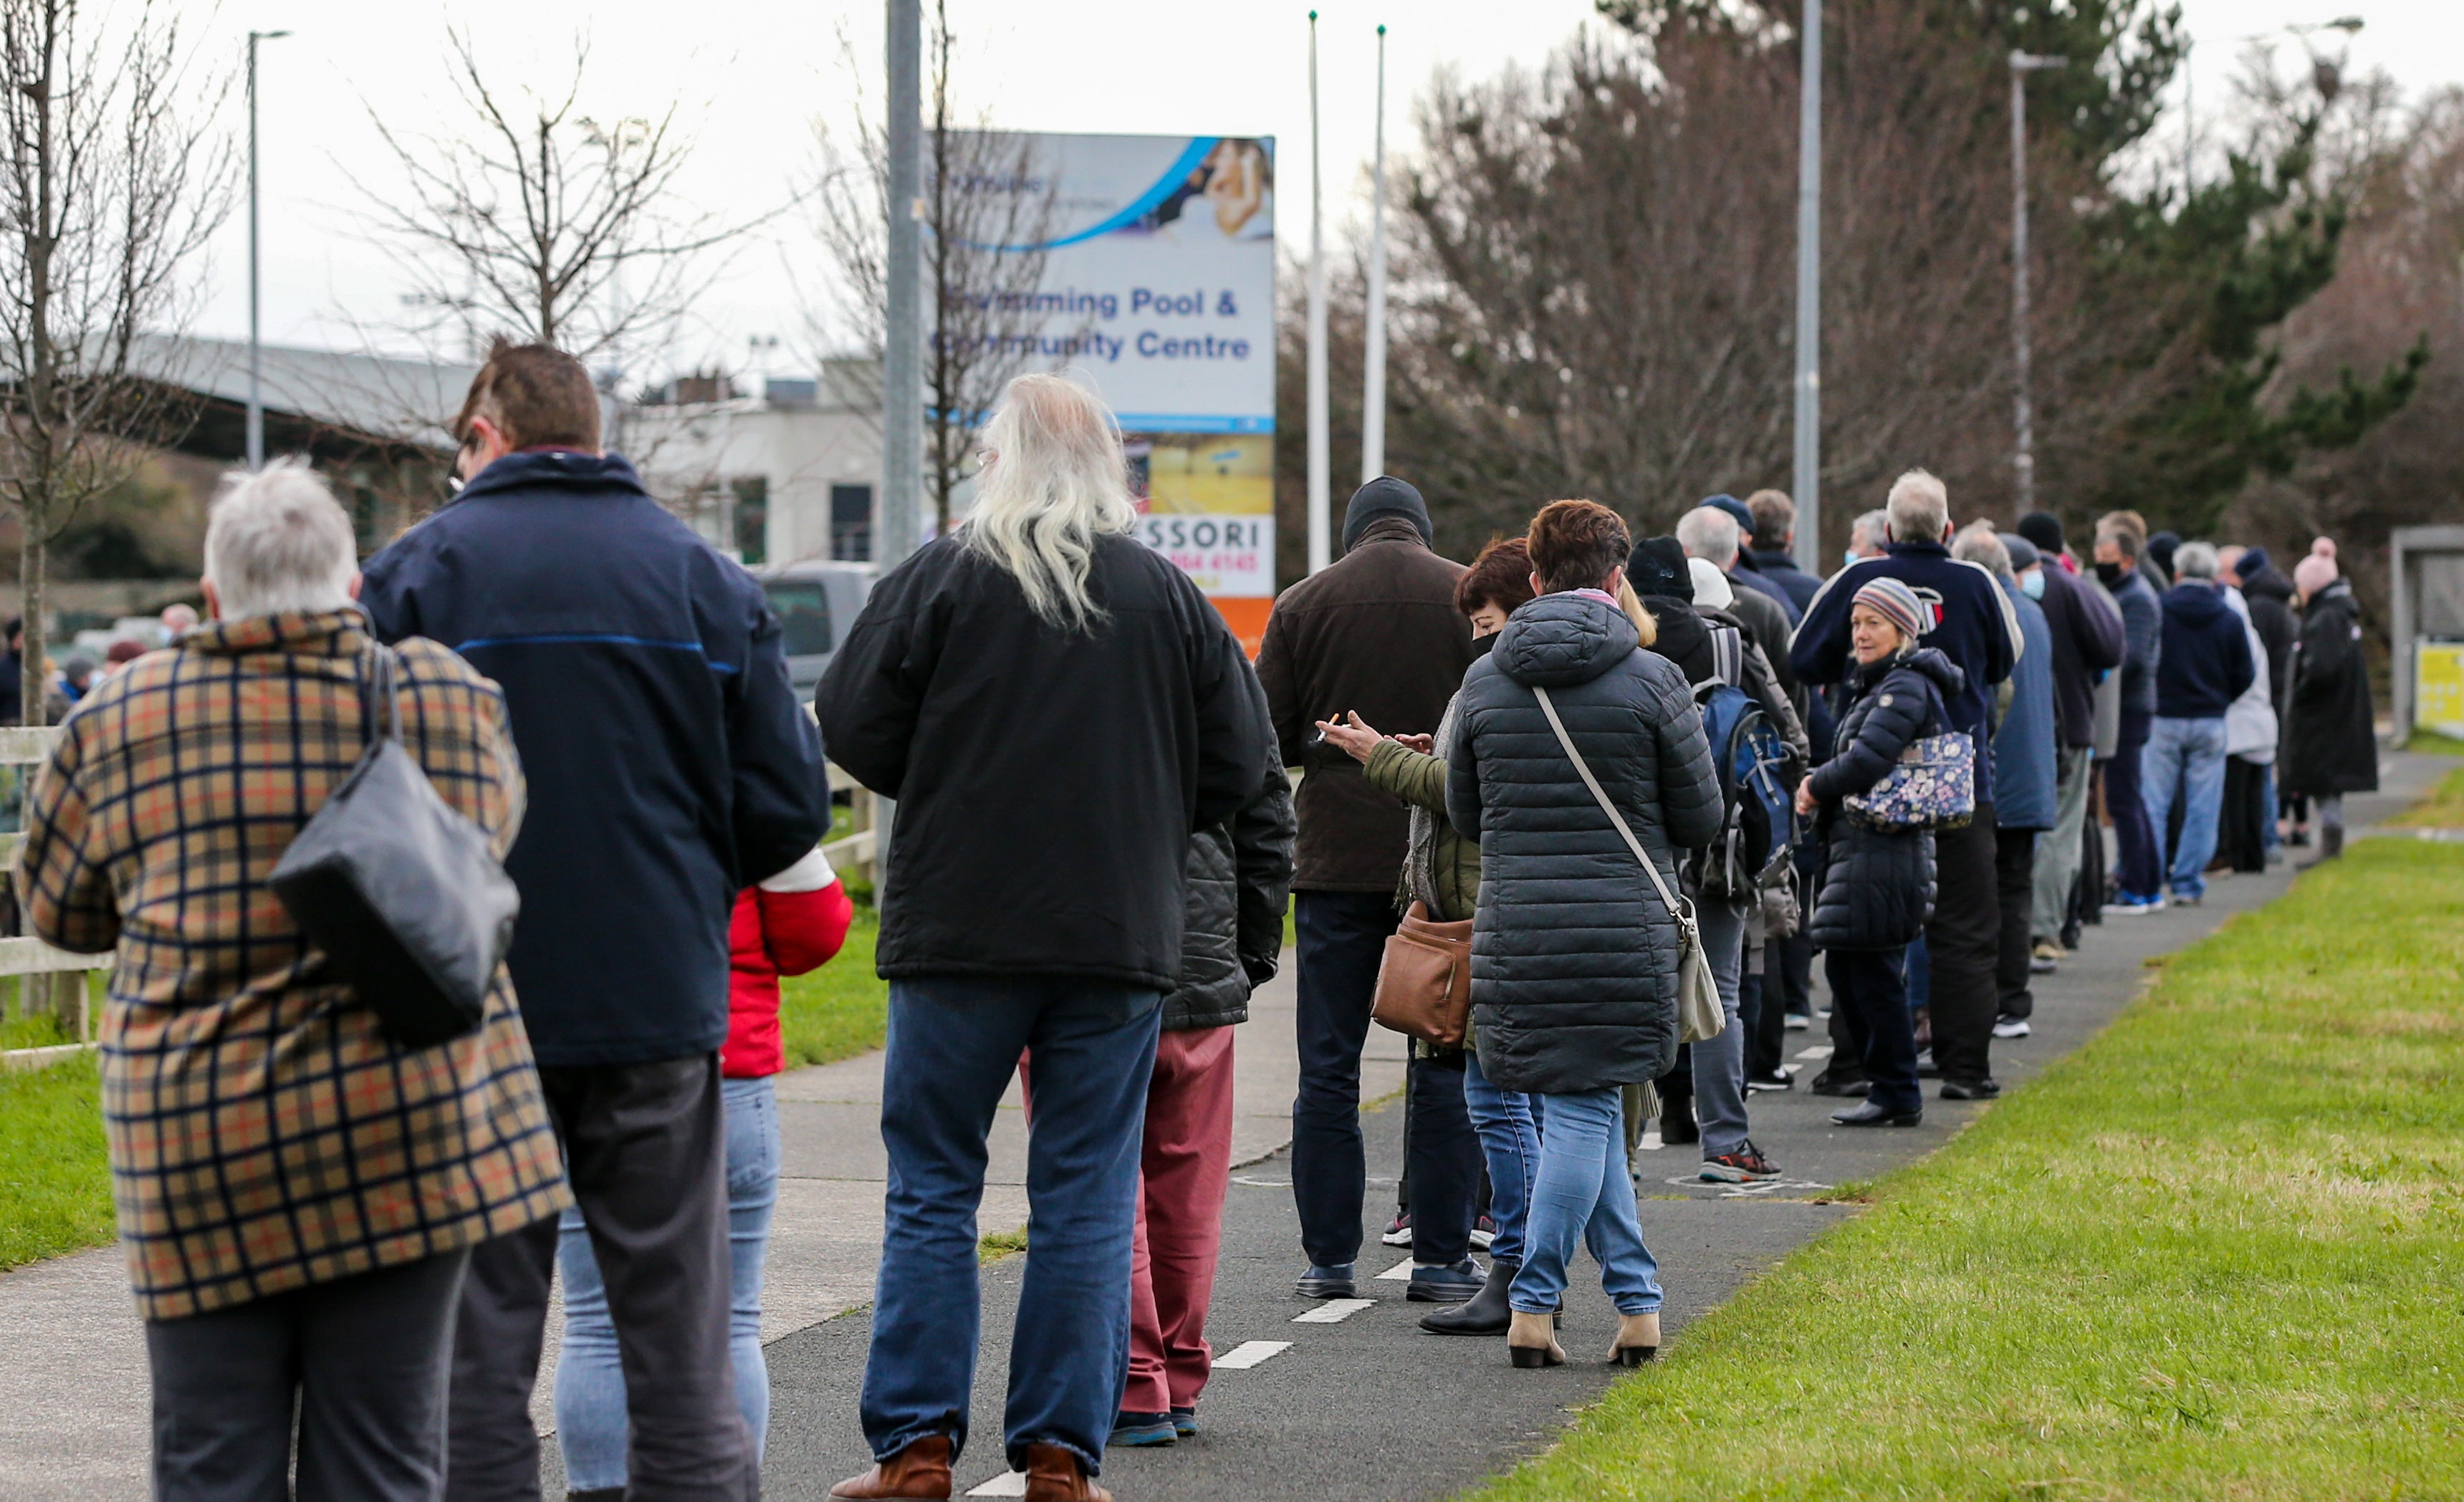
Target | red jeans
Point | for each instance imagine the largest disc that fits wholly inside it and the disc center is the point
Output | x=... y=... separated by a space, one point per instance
x=1186 y=1167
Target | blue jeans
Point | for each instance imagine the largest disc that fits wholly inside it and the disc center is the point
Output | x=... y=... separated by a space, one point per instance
x=1718 y=1064
x=1509 y=1137
x=2137 y=853
x=2185 y=759
x=590 y=1421
x=2269 y=836
x=954 y=1043
x=1583 y=1194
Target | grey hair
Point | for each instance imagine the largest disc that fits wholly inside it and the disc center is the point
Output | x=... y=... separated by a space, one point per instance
x=1875 y=525
x=1919 y=507
x=2195 y=560
x=1054 y=481
x=1977 y=542
x=1709 y=533
x=278 y=542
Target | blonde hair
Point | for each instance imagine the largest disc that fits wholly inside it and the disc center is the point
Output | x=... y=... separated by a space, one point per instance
x=1635 y=611
x=1054 y=482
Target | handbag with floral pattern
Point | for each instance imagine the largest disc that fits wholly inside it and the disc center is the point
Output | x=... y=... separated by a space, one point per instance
x=1932 y=787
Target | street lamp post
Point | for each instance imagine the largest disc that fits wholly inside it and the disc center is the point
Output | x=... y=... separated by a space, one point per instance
x=256 y=351
x=2023 y=460
x=1808 y=478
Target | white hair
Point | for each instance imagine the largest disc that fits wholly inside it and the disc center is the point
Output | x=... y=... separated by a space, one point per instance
x=278 y=542
x=1919 y=507
x=1978 y=542
x=1875 y=526
x=1710 y=534
x=1054 y=480
x=2195 y=560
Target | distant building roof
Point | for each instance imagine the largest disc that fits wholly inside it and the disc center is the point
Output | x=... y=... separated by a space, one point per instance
x=378 y=398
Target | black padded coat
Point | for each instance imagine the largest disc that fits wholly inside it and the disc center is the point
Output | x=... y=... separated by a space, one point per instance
x=1573 y=955
x=2330 y=743
x=1232 y=936
x=1878 y=888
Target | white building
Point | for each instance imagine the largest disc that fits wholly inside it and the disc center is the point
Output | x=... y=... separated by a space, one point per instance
x=782 y=477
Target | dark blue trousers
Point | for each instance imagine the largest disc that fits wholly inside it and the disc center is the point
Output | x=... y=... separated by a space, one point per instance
x=1869 y=992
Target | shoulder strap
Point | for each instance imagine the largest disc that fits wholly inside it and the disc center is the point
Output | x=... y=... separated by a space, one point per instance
x=1684 y=914
x=1728 y=655
x=376 y=711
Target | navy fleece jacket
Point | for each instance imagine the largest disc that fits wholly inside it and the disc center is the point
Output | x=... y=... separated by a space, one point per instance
x=2206 y=663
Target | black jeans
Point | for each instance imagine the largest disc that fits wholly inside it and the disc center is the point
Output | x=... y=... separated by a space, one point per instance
x=1964 y=941
x=646 y=1151
x=1342 y=936
x=361 y=1362
x=2015 y=886
x=1869 y=1001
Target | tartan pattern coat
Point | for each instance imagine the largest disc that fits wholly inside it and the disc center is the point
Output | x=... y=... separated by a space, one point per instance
x=264 y=1133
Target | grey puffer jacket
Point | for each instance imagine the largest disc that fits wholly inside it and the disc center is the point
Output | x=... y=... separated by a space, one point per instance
x=1573 y=955
x=1240 y=876
x=1877 y=887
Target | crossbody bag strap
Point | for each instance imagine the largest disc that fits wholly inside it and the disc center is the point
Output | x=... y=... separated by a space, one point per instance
x=1684 y=914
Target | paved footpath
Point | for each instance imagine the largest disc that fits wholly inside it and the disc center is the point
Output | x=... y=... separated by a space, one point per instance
x=1363 y=1406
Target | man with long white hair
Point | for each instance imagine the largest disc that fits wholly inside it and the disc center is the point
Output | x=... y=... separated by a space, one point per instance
x=1057 y=709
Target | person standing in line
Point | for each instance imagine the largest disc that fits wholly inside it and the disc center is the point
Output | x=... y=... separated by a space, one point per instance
x=2207 y=664
x=1866 y=536
x=1740 y=566
x=1978 y=629
x=671 y=767
x=1232 y=940
x=2331 y=744
x=1877 y=885
x=788 y=925
x=1441 y=872
x=2086 y=632
x=1056 y=709
x=2139 y=857
x=1575 y=951
x=1782 y=996
x=2249 y=806
x=1376 y=634
x=2269 y=594
x=298 y=1194
x=1772 y=547
x=2025 y=783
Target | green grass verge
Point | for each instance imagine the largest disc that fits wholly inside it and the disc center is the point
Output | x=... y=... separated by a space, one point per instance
x=2430 y=743
x=54 y=1181
x=2443 y=808
x=841 y=1010
x=2218 y=1253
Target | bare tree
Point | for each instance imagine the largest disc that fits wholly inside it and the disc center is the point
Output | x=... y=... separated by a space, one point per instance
x=108 y=192
x=987 y=212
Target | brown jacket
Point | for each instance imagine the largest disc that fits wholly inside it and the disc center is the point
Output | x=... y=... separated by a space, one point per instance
x=1377 y=633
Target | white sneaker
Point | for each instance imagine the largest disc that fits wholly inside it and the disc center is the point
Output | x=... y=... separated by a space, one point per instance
x=1798 y=1022
x=2010 y=1028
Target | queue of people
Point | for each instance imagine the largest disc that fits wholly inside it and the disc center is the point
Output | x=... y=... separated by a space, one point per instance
x=1624 y=767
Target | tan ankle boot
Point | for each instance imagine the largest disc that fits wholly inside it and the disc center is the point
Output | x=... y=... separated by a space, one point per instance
x=922 y=1469
x=1054 y=1475
x=1532 y=1341
x=1637 y=1339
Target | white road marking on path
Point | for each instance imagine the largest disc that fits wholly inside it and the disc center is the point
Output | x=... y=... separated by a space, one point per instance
x=1399 y=1272
x=1651 y=1143
x=1008 y=1484
x=1743 y=1191
x=1334 y=1312
x=1824 y=1051
x=1250 y=1353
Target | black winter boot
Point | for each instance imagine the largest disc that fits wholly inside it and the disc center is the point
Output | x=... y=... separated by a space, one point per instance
x=1677 y=1126
x=1486 y=1313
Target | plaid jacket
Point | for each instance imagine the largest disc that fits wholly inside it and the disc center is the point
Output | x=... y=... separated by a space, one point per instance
x=264 y=1134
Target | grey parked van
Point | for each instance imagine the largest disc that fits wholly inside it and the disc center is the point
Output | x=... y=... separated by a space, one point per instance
x=815 y=603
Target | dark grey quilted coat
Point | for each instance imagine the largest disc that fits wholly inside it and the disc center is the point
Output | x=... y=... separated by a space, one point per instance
x=1878 y=888
x=1240 y=874
x=1574 y=956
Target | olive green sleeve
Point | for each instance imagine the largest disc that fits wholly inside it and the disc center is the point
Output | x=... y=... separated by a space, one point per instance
x=1417 y=778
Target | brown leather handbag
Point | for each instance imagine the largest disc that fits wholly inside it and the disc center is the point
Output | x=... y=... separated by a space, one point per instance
x=1424 y=981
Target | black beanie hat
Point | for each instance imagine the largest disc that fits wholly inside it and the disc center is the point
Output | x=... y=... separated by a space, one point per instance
x=1657 y=566
x=1379 y=499
x=2044 y=529
x=2161 y=546
x=2252 y=560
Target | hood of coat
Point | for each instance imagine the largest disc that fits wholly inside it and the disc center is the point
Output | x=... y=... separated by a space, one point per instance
x=1684 y=638
x=1560 y=639
x=2268 y=584
x=553 y=469
x=1929 y=661
x=2195 y=602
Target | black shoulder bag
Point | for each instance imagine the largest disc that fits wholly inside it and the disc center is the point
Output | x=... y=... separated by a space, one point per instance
x=400 y=891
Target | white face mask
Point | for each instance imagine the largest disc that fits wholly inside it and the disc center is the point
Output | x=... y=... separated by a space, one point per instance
x=2031 y=583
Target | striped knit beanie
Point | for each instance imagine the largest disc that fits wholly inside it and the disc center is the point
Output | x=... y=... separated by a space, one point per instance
x=1897 y=603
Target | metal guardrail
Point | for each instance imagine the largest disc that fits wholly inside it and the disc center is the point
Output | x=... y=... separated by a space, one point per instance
x=58 y=978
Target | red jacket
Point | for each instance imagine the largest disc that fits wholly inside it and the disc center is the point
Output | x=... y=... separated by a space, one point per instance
x=777 y=932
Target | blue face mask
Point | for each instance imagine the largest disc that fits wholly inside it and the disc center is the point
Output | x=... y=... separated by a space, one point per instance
x=1848 y=557
x=2033 y=583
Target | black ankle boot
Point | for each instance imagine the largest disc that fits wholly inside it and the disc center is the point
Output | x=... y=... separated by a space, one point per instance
x=1487 y=1311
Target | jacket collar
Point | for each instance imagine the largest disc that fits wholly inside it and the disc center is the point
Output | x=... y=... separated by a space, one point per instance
x=303 y=633
x=1386 y=529
x=555 y=469
x=1919 y=550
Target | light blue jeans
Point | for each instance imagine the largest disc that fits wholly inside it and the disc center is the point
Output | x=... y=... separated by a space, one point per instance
x=1509 y=1139
x=2185 y=759
x=1720 y=1063
x=1582 y=1193
x=590 y=1423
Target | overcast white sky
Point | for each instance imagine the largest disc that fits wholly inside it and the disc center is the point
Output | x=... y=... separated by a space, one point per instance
x=754 y=74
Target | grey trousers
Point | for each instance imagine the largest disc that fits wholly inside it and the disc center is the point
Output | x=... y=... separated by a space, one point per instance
x=1720 y=1065
x=2060 y=850
x=645 y=1152
x=361 y=1363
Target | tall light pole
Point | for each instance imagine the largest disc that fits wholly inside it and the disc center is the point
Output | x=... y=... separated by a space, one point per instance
x=1809 y=297
x=2023 y=460
x=902 y=363
x=256 y=350
x=1372 y=384
x=1321 y=482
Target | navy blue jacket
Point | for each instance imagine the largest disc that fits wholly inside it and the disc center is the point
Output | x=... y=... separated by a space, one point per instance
x=669 y=765
x=1777 y=567
x=1747 y=574
x=2206 y=663
x=1978 y=630
x=2025 y=773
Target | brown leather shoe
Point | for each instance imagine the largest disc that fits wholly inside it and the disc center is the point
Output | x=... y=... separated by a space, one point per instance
x=922 y=1469
x=1053 y=1474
